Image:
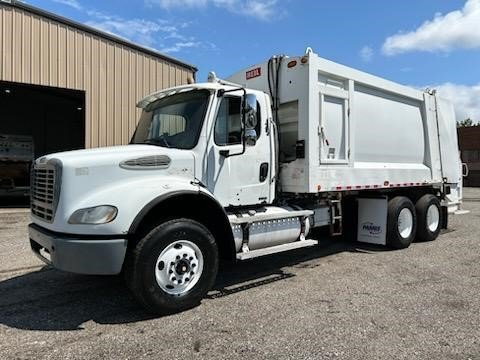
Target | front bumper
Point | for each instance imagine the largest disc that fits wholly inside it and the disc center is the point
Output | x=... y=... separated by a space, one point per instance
x=78 y=254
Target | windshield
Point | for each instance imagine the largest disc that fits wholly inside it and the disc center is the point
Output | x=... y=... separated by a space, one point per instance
x=174 y=121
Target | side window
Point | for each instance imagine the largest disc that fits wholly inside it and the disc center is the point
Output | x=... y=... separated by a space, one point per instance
x=228 y=125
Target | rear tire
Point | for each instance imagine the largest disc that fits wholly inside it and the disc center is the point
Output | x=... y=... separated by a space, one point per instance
x=172 y=268
x=401 y=222
x=429 y=218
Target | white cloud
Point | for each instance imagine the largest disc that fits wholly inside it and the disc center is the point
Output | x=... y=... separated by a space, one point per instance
x=457 y=29
x=167 y=35
x=167 y=4
x=180 y=45
x=366 y=53
x=466 y=99
x=159 y=34
x=263 y=10
x=137 y=30
x=72 y=3
x=259 y=9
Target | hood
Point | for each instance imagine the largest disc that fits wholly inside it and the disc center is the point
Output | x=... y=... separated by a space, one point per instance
x=113 y=176
x=114 y=155
x=114 y=163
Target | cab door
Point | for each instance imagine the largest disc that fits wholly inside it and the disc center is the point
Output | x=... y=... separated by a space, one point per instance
x=236 y=178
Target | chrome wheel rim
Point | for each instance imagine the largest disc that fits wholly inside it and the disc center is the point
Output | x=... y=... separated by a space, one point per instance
x=433 y=218
x=179 y=267
x=405 y=223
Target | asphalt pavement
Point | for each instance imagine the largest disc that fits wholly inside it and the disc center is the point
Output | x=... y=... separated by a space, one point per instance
x=339 y=300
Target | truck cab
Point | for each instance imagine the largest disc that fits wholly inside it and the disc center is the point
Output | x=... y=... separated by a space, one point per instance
x=207 y=120
x=198 y=151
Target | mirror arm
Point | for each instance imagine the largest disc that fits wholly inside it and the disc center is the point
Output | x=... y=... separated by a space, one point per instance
x=225 y=153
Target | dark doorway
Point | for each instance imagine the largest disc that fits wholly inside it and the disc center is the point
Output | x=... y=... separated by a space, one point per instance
x=54 y=117
x=34 y=121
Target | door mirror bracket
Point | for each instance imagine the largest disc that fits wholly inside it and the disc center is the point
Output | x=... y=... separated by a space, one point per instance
x=225 y=153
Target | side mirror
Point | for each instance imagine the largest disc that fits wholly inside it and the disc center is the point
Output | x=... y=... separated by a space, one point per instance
x=249 y=111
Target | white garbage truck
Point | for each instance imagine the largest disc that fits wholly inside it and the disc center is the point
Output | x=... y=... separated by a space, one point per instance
x=245 y=167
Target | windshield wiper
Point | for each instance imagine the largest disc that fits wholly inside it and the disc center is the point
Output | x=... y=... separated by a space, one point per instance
x=157 y=141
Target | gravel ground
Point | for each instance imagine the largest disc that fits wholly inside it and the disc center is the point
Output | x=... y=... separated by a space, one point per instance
x=340 y=300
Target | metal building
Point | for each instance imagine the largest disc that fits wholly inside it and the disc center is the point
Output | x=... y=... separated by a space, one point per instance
x=107 y=73
x=469 y=144
x=68 y=86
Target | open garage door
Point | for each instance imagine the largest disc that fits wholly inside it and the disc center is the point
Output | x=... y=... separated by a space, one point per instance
x=34 y=121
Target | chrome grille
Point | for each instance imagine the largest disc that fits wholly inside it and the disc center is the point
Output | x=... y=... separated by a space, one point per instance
x=44 y=190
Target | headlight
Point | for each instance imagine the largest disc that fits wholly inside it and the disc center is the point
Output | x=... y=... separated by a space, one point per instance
x=95 y=215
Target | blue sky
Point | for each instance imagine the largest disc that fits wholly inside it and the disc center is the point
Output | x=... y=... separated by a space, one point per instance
x=415 y=42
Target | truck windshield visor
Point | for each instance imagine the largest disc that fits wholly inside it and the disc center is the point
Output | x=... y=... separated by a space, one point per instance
x=174 y=121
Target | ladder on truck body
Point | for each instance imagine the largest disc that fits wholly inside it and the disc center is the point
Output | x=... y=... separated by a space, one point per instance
x=336 y=216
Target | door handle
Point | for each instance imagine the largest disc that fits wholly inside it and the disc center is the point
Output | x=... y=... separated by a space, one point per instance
x=263 y=172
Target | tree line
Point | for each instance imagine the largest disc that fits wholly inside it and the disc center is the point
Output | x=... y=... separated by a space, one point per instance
x=466 y=123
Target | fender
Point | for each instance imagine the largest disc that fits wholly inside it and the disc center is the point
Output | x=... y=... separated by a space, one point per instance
x=216 y=221
x=159 y=199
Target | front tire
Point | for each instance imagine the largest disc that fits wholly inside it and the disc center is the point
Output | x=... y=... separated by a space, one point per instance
x=401 y=222
x=173 y=267
x=429 y=217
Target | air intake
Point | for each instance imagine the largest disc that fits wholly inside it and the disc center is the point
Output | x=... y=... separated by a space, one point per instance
x=154 y=162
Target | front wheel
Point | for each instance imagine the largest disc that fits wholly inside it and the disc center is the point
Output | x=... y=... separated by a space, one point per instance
x=173 y=266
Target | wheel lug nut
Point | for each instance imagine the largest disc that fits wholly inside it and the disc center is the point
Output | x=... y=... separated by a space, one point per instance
x=178 y=257
x=170 y=271
x=187 y=279
x=179 y=281
x=174 y=278
x=184 y=255
x=192 y=273
x=193 y=265
x=190 y=258
x=172 y=263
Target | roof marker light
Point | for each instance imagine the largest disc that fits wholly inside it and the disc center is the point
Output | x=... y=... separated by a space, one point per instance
x=292 y=63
